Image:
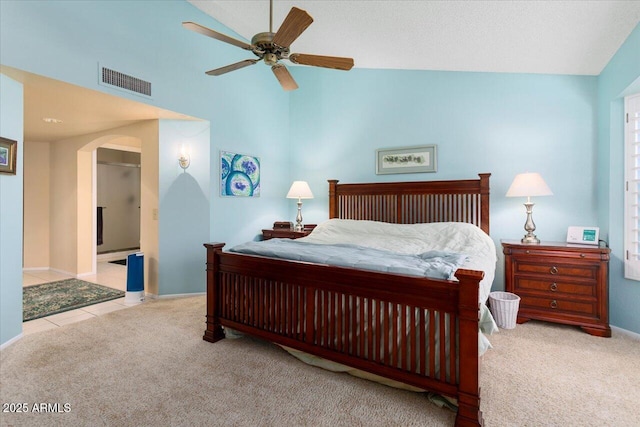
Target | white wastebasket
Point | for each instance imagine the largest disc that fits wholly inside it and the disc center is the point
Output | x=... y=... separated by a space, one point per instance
x=504 y=307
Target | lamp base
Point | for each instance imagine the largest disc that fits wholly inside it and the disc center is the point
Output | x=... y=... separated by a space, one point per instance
x=530 y=239
x=298 y=226
x=529 y=226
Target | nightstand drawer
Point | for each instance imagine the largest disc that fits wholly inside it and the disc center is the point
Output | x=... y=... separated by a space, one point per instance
x=557 y=305
x=557 y=270
x=574 y=254
x=551 y=287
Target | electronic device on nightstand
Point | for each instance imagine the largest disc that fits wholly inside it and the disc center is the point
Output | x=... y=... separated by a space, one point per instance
x=583 y=235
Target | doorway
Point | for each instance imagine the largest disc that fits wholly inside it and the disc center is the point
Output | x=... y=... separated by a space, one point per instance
x=118 y=183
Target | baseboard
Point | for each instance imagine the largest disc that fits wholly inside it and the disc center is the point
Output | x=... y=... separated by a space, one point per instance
x=113 y=256
x=68 y=273
x=11 y=341
x=195 y=294
x=626 y=332
x=81 y=275
x=57 y=270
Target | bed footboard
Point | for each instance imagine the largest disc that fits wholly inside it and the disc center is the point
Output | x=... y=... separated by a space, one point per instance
x=422 y=332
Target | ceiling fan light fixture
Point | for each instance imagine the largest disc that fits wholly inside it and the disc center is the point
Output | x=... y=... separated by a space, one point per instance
x=270 y=59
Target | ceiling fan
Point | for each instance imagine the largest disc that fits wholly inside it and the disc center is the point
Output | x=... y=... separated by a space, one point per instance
x=273 y=47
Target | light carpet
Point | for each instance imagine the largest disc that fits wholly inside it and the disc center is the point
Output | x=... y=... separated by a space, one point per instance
x=148 y=366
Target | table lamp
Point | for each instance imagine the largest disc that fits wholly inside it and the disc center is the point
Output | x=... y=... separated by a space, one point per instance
x=299 y=190
x=528 y=185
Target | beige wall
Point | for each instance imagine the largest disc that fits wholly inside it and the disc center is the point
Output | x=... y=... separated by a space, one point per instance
x=145 y=134
x=149 y=208
x=59 y=200
x=36 y=205
x=63 y=213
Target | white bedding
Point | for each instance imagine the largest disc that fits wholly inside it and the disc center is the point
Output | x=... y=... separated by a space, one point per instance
x=415 y=239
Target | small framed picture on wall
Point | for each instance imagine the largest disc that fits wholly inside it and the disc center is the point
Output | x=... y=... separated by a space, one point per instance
x=239 y=175
x=8 y=157
x=416 y=159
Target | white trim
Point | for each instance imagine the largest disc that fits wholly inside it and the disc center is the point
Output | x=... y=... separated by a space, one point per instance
x=195 y=294
x=62 y=272
x=11 y=341
x=35 y=269
x=81 y=275
x=121 y=147
x=113 y=256
x=626 y=332
x=631 y=188
x=94 y=211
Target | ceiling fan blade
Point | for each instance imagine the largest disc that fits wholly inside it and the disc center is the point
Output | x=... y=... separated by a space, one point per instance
x=216 y=35
x=284 y=77
x=334 y=62
x=232 y=67
x=293 y=25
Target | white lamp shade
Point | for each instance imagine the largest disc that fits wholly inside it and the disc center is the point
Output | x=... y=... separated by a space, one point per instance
x=300 y=190
x=528 y=184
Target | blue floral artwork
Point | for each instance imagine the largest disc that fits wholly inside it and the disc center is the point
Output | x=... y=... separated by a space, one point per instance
x=239 y=175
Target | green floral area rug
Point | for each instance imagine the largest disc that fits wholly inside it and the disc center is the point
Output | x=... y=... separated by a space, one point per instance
x=63 y=295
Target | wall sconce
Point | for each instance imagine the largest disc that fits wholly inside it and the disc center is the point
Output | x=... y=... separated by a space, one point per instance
x=527 y=185
x=299 y=190
x=184 y=160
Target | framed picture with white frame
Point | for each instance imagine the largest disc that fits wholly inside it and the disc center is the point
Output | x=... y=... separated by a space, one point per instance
x=416 y=159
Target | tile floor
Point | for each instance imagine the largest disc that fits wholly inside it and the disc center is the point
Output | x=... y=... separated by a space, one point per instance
x=108 y=274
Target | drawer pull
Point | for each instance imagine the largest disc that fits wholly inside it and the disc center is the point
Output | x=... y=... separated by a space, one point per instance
x=554 y=304
x=582 y=255
x=553 y=270
x=554 y=286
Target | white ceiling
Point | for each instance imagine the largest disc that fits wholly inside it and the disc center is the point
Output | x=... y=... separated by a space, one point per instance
x=554 y=37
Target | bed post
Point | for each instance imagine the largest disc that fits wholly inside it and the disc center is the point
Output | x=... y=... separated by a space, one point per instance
x=484 y=201
x=214 y=330
x=469 y=413
x=333 y=198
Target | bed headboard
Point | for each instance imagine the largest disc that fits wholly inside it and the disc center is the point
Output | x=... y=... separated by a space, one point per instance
x=413 y=202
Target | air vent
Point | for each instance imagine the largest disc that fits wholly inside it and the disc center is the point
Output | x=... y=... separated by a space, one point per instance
x=120 y=80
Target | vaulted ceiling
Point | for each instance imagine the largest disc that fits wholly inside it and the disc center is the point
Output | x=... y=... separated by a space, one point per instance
x=557 y=37
x=551 y=37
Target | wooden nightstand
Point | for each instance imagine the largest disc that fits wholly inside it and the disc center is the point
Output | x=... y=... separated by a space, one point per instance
x=560 y=282
x=283 y=233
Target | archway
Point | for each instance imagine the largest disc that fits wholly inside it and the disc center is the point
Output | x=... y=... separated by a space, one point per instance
x=87 y=196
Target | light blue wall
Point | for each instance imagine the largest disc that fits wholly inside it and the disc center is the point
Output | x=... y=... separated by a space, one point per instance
x=619 y=78
x=247 y=110
x=183 y=198
x=11 y=109
x=499 y=123
x=504 y=124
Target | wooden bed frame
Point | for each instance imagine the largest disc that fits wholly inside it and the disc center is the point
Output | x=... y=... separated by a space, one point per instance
x=387 y=324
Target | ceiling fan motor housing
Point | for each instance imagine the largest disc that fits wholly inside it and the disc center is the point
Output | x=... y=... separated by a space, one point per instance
x=265 y=48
